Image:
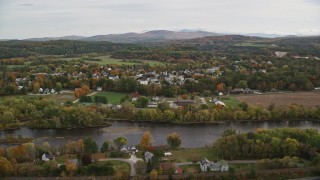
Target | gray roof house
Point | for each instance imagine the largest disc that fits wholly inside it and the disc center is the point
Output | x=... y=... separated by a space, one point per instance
x=148 y=156
x=220 y=166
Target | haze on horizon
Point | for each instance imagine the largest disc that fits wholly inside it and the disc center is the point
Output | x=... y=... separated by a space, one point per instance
x=21 y=19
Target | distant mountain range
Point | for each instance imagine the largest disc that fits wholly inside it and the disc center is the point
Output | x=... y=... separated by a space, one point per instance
x=148 y=37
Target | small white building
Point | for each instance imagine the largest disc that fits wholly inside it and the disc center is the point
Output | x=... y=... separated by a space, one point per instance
x=148 y=156
x=220 y=103
x=44 y=157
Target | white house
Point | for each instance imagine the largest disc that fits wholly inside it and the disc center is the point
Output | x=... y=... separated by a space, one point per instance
x=220 y=103
x=148 y=156
x=44 y=158
x=220 y=166
x=143 y=82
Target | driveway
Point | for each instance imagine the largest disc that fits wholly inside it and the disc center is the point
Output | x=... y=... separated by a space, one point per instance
x=203 y=101
x=132 y=161
x=75 y=101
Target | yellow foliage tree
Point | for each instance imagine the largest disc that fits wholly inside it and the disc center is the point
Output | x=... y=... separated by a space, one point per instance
x=154 y=174
x=145 y=140
x=5 y=167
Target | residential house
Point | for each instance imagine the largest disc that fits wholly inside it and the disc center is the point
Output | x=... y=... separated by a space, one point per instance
x=148 y=156
x=220 y=103
x=130 y=149
x=143 y=82
x=280 y=54
x=248 y=91
x=237 y=91
x=40 y=90
x=184 y=102
x=220 y=166
x=154 y=81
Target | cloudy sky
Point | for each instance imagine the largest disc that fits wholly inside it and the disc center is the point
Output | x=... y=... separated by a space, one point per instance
x=43 y=18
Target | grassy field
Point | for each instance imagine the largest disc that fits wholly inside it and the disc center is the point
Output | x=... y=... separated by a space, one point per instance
x=252 y=44
x=113 y=97
x=109 y=60
x=194 y=154
x=230 y=101
x=307 y=99
x=191 y=169
x=122 y=166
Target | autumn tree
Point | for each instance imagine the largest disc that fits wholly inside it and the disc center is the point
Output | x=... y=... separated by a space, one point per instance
x=174 y=140
x=154 y=174
x=220 y=87
x=6 y=167
x=71 y=168
x=145 y=141
x=184 y=96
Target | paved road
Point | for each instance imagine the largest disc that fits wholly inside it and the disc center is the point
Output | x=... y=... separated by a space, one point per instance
x=203 y=101
x=132 y=161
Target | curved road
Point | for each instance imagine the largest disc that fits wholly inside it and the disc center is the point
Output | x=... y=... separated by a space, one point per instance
x=132 y=161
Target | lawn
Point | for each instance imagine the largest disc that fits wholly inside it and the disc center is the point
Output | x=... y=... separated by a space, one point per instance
x=191 y=169
x=230 y=101
x=113 y=97
x=194 y=154
x=122 y=166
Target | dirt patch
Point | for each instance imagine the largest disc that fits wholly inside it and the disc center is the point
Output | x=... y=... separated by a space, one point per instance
x=307 y=99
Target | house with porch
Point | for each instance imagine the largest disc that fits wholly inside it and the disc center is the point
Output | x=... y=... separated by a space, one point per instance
x=220 y=166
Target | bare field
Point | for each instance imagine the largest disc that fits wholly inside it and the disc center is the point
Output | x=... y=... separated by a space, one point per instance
x=307 y=99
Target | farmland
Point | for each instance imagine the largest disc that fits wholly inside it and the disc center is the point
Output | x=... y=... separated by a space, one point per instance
x=307 y=99
x=105 y=60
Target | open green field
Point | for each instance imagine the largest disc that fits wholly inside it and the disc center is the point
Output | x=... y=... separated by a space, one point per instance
x=252 y=44
x=113 y=97
x=109 y=60
x=26 y=63
x=230 y=101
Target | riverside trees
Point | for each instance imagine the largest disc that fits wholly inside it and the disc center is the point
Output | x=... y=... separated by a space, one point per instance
x=44 y=113
x=275 y=143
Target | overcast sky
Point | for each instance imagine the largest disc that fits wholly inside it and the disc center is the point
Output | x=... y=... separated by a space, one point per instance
x=43 y=18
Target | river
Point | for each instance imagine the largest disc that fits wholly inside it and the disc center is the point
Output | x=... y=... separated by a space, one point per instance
x=193 y=135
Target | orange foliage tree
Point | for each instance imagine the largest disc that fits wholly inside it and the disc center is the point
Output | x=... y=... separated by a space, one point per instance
x=145 y=141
